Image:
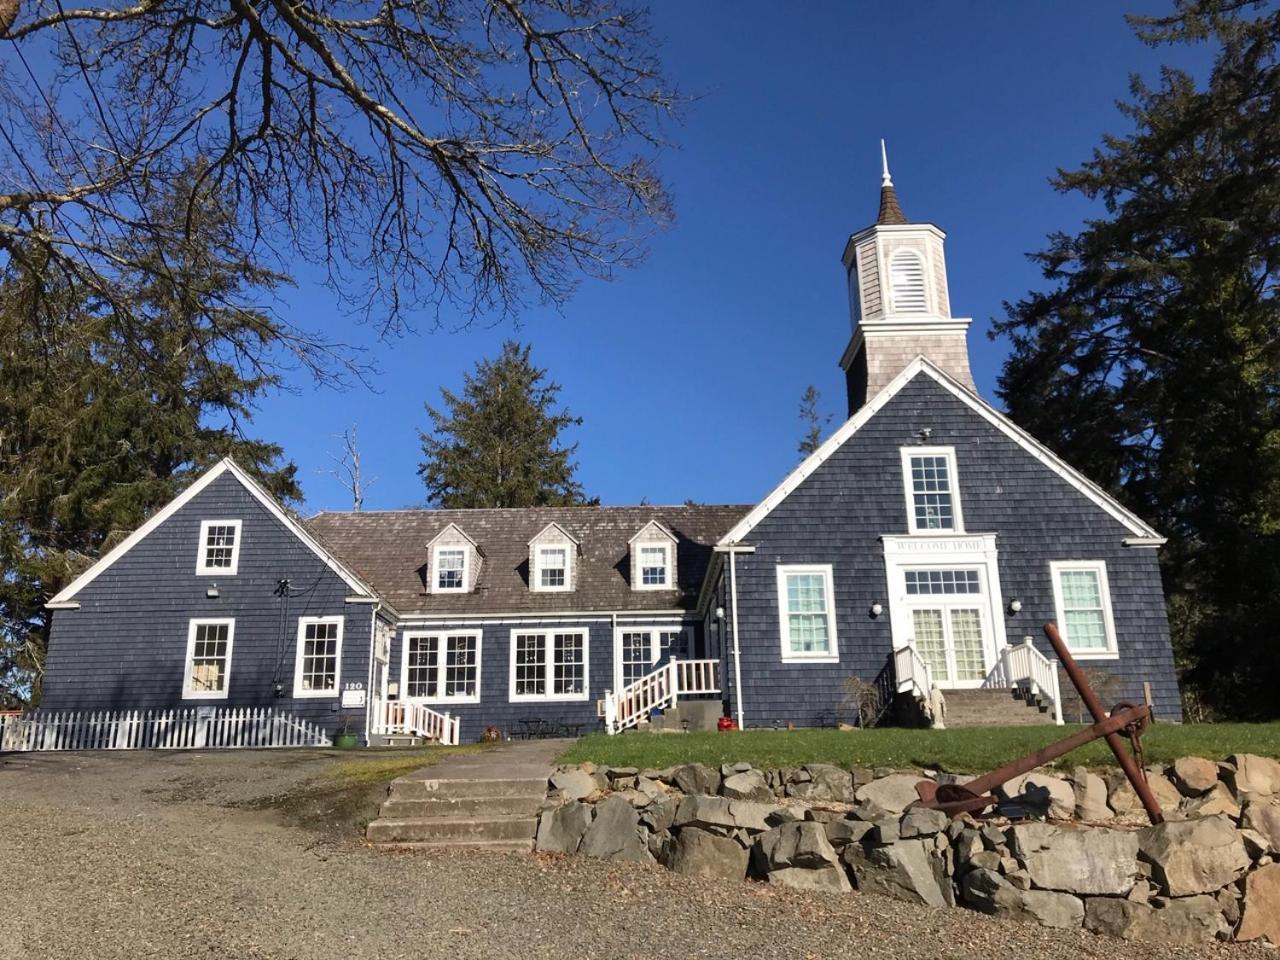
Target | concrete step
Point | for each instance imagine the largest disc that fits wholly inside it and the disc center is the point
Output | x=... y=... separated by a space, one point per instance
x=407 y=788
x=992 y=708
x=456 y=808
x=468 y=846
x=450 y=831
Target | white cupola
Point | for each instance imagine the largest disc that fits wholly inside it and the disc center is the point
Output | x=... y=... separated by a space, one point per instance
x=898 y=304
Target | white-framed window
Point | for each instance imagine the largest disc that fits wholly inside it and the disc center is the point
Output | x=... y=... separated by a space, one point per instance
x=1082 y=599
x=549 y=665
x=207 y=675
x=551 y=567
x=319 y=661
x=637 y=650
x=449 y=569
x=907 y=282
x=806 y=608
x=442 y=667
x=654 y=561
x=933 y=490
x=219 y=548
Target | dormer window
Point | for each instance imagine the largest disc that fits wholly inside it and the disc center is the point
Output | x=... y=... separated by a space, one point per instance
x=653 y=558
x=933 y=497
x=219 y=548
x=551 y=559
x=454 y=563
x=906 y=282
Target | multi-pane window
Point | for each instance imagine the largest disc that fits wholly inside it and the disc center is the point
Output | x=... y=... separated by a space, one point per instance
x=319 y=647
x=653 y=566
x=807 y=613
x=553 y=568
x=451 y=568
x=1084 y=607
x=934 y=582
x=932 y=503
x=219 y=547
x=549 y=665
x=442 y=666
x=642 y=650
x=208 y=659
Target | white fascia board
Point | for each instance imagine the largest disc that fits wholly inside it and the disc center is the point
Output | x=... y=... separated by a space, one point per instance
x=563 y=532
x=1136 y=526
x=177 y=503
x=653 y=523
x=457 y=529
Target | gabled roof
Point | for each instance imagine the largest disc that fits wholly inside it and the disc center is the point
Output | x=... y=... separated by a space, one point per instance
x=652 y=523
x=460 y=532
x=1142 y=533
x=563 y=532
x=386 y=548
x=67 y=595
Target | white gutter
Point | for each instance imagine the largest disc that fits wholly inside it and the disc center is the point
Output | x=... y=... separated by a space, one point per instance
x=733 y=549
x=368 y=688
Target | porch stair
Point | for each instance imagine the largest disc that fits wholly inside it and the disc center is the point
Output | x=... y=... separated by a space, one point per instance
x=995 y=708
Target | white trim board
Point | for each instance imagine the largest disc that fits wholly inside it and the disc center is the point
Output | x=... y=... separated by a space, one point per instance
x=181 y=500
x=1135 y=525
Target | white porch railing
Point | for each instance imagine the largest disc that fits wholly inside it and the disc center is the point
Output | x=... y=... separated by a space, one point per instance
x=1023 y=668
x=189 y=729
x=658 y=690
x=912 y=673
x=405 y=717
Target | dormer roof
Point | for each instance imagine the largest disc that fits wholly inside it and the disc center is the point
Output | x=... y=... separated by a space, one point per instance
x=454 y=528
x=653 y=525
x=561 y=530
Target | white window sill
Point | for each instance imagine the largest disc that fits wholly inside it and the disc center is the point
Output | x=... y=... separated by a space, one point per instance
x=315 y=694
x=819 y=658
x=186 y=695
x=441 y=701
x=549 y=698
x=1094 y=654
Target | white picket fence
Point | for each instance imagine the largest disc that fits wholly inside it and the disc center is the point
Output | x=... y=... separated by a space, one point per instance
x=190 y=729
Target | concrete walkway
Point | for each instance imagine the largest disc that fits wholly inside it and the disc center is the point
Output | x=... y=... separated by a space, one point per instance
x=515 y=760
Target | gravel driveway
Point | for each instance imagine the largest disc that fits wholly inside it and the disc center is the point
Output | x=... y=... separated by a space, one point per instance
x=155 y=855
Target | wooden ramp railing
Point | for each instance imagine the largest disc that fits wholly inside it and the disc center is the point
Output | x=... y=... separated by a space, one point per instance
x=406 y=717
x=1023 y=668
x=658 y=690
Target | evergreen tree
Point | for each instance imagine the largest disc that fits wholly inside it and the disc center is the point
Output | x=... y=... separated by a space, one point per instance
x=1153 y=362
x=496 y=445
x=813 y=421
x=105 y=415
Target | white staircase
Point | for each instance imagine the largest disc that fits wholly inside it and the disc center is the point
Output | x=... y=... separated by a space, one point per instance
x=1029 y=674
x=406 y=718
x=659 y=690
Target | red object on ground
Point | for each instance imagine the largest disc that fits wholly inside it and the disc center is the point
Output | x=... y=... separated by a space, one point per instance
x=726 y=723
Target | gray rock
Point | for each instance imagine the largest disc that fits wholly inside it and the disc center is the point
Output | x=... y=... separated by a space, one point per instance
x=1194 y=856
x=910 y=870
x=695 y=778
x=893 y=793
x=822 y=815
x=1219 y=799
x=1093 y=860
x=993 y=837
x=1262 y=905
x=661 y=815
x=968 y=844
x=1185 y=921
x=922 y=822
x=1195 y=776
x=828 y=879
x=560 y=830
x=986 y=860
x=1263 y=817
x=1259 y=776
x=786 y=815
x=803 y=844
x=826 y=784
x=1121 y=797
x=886 y=830
x=747 y=785
x=1162 y=788
x=722 y=814
x=729 y=769
x=614 y=834
x=991 y=893
x=652 y=788
x=1052 y=796
x=840 y=832
x=698 y=853
x=1142 y=892
x=617 y=773
x=659 y=846
x=1229 y=903
x=1091 y=796
x=574 y=783
x=1255 y=844
x=634 y=797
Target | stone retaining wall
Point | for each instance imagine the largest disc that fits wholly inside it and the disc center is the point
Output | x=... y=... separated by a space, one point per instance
x=1211 y=871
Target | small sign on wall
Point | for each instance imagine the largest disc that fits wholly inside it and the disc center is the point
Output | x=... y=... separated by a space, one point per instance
x=353 y=697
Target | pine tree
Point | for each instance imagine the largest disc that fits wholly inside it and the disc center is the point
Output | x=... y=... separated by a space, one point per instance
x=496 y=445
x=106 y=414
x=1153 y=361
x=813 y=421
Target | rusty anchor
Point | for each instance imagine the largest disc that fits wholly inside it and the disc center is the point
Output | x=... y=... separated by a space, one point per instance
x=1124 y=720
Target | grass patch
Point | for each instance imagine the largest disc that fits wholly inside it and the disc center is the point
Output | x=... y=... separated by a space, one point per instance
x=956 y=751
x=343 y=797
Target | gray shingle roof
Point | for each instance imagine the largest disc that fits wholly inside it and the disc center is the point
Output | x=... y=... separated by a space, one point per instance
x=389 y=550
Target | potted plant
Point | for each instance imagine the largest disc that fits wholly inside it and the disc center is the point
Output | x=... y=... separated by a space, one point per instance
x=344 y=738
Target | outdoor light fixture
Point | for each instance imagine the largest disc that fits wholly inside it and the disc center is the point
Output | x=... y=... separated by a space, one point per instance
x=876 y=609
x=212 y=592
x=1015 y=605
x=719 y=613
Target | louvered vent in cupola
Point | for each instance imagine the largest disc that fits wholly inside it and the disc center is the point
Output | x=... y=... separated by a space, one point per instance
x=906 y=279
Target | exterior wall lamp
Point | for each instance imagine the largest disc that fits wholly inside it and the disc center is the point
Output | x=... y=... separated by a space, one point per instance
x=212 y=592
x=719 y=613
x=876 y=609
x=1015 y=606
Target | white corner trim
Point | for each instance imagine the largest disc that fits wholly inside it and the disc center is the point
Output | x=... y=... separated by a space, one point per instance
x=303 y=623
x=181 y=500
x=548 y=666
x=831 y=655
x=202 y=552
x=1136 y=526
x=189 y=664
x=1098 y=567
x=442 y=662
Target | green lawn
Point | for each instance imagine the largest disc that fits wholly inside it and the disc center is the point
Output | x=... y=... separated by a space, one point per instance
x=957 y=751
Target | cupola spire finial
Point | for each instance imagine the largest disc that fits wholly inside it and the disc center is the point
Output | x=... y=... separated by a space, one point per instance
x=885 y=179
x=890 y=210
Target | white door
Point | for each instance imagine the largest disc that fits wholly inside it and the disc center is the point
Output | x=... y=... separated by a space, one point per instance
x=636 y=652
x=949 y=623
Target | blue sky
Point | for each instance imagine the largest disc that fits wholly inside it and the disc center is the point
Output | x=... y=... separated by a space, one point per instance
x=688 y=370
